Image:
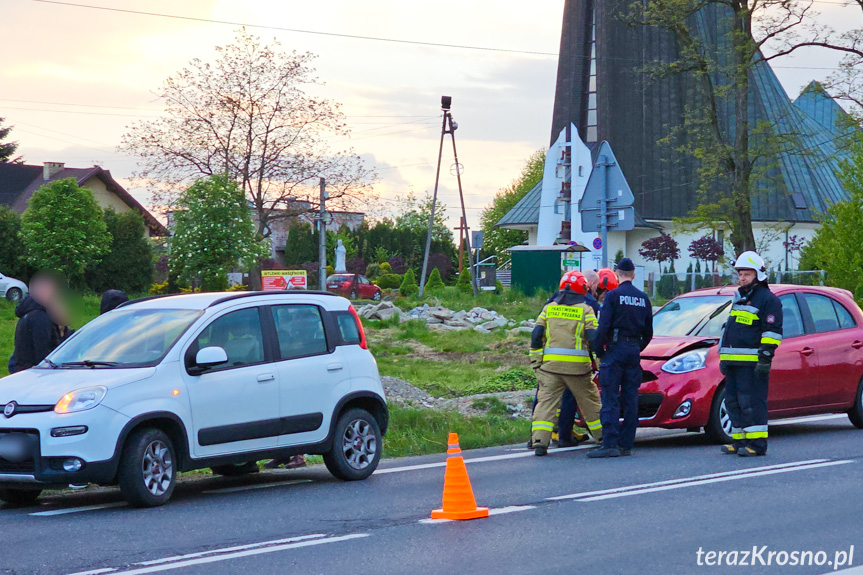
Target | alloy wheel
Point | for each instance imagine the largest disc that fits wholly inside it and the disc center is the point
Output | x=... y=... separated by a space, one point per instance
x=359 y=444
x=157 y=468
x=724 y=418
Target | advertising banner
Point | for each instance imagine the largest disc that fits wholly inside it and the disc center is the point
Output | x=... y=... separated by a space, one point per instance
x=281 y=280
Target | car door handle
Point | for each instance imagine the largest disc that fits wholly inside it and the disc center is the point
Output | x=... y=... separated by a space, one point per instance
x=265 y=377
x=807 y=351
x=334 y=366
x=857 y=344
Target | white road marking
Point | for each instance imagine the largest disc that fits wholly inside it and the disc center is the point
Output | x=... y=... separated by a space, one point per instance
x=487 y=458
x=94 y=572
x=78 y=509
x=491 y=512
x=239 y=554
x=229 y=549
x=807 y=419
x=698 y=480
x=258 y=486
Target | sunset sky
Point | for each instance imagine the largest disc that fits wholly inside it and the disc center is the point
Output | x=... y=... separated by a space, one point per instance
x=72 y=77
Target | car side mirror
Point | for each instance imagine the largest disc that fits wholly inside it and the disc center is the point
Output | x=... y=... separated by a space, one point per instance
x=208 y=358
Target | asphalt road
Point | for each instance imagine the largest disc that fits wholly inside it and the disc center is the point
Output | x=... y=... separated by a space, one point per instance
x=649 y=513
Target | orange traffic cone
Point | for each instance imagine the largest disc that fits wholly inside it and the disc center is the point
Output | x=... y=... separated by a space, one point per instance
x=458 y=500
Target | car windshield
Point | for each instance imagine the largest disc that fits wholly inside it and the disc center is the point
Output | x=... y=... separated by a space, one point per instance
x=698 y=315
x=339 y=279
x=124 y=338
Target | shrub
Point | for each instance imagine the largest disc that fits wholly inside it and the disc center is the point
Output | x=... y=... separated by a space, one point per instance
x=128 y=266
x=443 y=263
x=356 y=265
x=390 y=281
x=330 y=270
x=386 y=268
x=238 y=287
x=409 y=285
x=160 y=289
x=398 y=265
x=373 y=271
x=498 y=287
x=434 y=282
x=463 y=283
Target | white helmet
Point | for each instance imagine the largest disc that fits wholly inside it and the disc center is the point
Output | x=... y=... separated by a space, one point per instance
x=752 y=261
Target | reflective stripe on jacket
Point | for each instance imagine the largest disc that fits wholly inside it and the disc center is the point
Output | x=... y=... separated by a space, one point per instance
x=566 y=348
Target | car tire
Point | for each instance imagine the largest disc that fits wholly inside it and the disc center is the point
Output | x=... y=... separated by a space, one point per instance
x=717 y=429
x=377 y=296
x=148 y=473
x=353 y=294
x=236 y=470
x=356 y=448
x=855 y=414
x=19 y=497
x=14 y=294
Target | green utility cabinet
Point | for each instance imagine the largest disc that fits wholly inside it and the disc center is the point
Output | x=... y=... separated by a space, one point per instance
x=541 y=267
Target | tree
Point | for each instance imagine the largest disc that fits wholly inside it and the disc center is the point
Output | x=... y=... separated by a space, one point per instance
x=409 y=285
x=129 y=265
x=706 y=248
x=732 y=158
x=13 y=255
x=414 y=215
x=7 y=150
x=248 y=115
x=213 y=233
x=662 y=248
x=434 y=283
x=835 y=247
x=63 y=229
x=497 y=240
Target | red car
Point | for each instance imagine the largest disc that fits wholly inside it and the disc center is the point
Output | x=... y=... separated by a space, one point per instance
x=818 y=368
x=353 y=286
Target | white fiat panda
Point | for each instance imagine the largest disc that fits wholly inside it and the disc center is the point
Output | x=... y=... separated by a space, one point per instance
x=175 y=383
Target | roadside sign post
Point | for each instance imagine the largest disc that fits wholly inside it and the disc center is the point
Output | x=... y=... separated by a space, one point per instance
x=606 y=185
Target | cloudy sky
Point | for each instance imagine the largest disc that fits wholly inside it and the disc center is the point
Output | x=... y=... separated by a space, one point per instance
x=73 y=77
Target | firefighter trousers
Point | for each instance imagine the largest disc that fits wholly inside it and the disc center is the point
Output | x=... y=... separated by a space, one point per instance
x=551 y=386
x=746 y=402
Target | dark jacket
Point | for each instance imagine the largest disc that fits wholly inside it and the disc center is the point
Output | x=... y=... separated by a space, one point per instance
x=754 y=327
x=111 y=299
x=36 y=335
x=626 y=311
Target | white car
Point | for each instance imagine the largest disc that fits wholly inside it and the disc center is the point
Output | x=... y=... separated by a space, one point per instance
x=12 y=289
x=175 y=383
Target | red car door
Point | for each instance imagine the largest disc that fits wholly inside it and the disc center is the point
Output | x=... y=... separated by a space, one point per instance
x=837 y=342
x=792 y=382
x=366 y=288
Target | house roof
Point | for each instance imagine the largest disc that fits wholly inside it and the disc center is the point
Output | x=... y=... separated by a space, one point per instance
x=18 y=183
x=526 y=211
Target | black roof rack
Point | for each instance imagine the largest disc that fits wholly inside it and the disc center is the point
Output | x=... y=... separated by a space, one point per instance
x=240 y=295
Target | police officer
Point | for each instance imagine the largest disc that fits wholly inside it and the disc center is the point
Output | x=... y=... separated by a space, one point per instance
x=752 y=334
x=625 y=328
x=560 y=354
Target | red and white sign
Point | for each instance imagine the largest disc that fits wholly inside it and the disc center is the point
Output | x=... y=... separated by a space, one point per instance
x=281 y=280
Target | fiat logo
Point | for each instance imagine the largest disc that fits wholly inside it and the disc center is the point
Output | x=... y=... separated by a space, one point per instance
x=10 y=408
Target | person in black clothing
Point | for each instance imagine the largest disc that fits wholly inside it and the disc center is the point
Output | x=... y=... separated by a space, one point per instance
x=37 y=334
x=111 y=299
x=752 y=334
x=625 y=329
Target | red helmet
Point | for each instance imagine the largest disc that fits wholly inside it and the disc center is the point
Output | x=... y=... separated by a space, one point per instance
x=574 y=281
x=607 y=279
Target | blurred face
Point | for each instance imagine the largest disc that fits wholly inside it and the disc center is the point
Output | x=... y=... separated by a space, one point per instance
x=746 y=277
x=43 y=290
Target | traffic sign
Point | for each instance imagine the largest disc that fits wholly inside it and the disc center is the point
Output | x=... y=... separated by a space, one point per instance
x=607 y=185
x=597 y=243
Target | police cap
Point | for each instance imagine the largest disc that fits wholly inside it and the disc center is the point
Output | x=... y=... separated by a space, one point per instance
x=625 y=265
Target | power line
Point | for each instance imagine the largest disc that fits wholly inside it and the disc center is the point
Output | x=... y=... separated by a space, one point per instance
x=296 y=30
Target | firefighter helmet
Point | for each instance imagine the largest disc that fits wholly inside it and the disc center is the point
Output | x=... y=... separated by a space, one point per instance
x=607 y=279
x=752 y=261
x=574 y=281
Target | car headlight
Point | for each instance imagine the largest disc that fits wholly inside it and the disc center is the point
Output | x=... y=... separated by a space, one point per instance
x=81 y=399
x=686 y=362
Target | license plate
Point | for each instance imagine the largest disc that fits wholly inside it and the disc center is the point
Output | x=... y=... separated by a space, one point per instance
x=333 y=286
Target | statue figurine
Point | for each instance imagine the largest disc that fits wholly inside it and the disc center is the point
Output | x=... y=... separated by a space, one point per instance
x=340 y=258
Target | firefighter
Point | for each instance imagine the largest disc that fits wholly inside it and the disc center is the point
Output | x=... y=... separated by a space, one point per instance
x=752 y=334
x=606 y=281
x=625 y=329
x=560 y=354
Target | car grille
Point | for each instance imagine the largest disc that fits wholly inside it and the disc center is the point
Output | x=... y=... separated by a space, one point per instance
x=648 y=404
x=28 y=409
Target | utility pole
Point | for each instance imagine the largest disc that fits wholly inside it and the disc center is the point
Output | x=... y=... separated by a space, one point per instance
x=462 y=229
x=445 y=103
x=322 y=239
x=470 y=258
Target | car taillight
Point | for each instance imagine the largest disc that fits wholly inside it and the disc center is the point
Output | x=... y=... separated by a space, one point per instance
x=363 y=343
